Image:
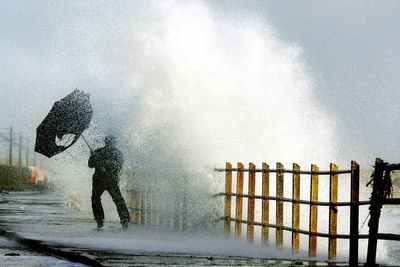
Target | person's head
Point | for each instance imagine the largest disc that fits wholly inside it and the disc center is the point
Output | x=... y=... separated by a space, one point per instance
x=110 y=140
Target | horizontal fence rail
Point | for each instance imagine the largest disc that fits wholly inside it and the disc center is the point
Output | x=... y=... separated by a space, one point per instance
x=318 y=203
x=281 y=170
x=279 y=198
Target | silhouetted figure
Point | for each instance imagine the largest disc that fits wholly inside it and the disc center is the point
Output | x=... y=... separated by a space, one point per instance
x=107 y=162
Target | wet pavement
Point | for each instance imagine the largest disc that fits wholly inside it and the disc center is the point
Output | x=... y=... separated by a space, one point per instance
x=42 y=231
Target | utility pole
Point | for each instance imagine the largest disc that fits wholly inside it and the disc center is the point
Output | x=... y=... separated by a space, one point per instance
x=27 y=152
x=11 y=146
x=20 y=151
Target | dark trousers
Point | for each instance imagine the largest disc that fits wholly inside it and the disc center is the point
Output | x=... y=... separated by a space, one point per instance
x=113 y=190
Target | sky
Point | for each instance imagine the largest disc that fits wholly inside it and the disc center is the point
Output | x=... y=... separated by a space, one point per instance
x=350 y=49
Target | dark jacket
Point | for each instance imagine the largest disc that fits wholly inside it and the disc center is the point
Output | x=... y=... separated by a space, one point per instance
x=107 y=162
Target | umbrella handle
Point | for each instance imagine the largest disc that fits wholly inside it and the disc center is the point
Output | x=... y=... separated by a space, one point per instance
x=91 y=150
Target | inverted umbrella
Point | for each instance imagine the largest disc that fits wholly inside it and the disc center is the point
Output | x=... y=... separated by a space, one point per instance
x=69 y=116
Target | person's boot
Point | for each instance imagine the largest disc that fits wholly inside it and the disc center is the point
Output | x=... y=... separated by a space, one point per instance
x=99 y=225
x=125 y=224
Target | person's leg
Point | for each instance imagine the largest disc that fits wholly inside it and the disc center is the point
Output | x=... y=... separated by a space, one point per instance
x=97 y=208
x=121 y=205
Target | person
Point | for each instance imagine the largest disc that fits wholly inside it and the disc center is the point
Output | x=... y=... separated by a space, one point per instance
x=107 y=162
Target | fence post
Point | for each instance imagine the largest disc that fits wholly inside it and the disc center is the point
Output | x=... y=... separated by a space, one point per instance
x=142 y=205
x=355 y=185
x=239 y=200
x=375 y=211
x=133 y=199
x=20 y=151
x=149 y=204
x=313 y=225
x=27 y=152
x=184 y=205
x=333 y=196
x=265 y=203
x=11 y=147
x=228 y=191
x=279 y=204
x=295 y=207
x=251 y=202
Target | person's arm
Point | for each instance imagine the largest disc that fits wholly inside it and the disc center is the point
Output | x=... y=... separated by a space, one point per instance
x=93 y=159
x=120 y=161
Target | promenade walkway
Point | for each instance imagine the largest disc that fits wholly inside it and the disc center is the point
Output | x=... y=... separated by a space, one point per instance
x=40 y=223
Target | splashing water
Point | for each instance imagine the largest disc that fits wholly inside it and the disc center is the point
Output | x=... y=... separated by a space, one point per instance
x=187 y=87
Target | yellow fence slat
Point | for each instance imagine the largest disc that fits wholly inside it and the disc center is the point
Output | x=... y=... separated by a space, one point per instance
x=312 y=249
x=265 y=203
x=239 y=200
x=279 y=204
x=251 y=202
x=228 y=190
x=333 y=197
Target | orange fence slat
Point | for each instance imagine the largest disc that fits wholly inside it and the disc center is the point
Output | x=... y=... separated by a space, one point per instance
x=333 y=196
x=251 y=202
x=265 y=204
x=279 y=205
x=312 y=249
x=228 y=190
x=239 y=200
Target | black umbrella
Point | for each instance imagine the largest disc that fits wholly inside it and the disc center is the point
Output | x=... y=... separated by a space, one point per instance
x=66 y=121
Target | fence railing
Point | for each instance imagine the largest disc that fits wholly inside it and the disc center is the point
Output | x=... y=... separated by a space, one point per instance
x=147 y=209
x=379 y=195
x=314 y=173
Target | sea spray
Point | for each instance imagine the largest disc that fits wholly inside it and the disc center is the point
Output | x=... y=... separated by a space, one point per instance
x=185 y=88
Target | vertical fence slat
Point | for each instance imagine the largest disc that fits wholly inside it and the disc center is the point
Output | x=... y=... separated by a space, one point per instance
x=149 y=206
x=239 y=200
x=333 y=197
x=279 y=205
x=354 y=216
x=185 y=205
x=265 y=203
x=228 y=190
x=251 y=202
x=296 y=208
x=142 y=206
x=312 y=243
x=375 y=211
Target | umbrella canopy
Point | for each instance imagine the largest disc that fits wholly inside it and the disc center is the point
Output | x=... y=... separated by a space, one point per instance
x=69 y=116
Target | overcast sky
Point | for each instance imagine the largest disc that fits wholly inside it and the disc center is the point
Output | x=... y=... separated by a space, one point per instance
x=351 y=49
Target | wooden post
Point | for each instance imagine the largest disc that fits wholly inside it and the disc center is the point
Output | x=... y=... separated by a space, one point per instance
x=184 y=205
x=142 y=205
x=279 y=205
x=239 y=200
x=296 y=208
x=177 y=212
x=312 y=243
x=20 y=151
x=355 y=185
x=133 y=200
x=11 y=147
x=333 y=196
x=228 y=191
x=251 y=202
x=149 y=205
x=265 y=203
x=27 y=152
